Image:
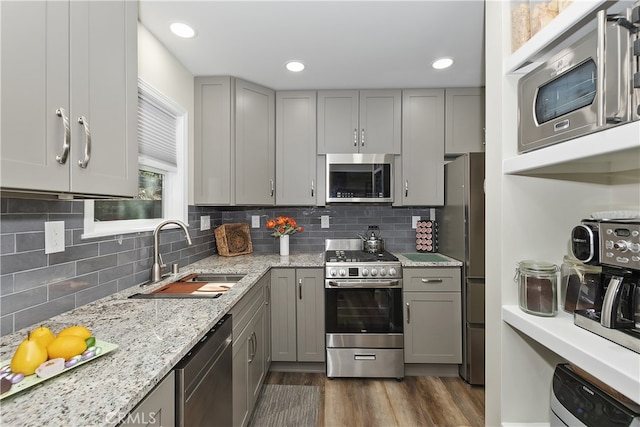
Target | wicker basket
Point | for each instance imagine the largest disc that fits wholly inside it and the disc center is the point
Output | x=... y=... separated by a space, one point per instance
x=233 y=239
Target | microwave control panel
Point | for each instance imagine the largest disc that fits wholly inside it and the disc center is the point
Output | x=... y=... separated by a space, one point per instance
x=620 y=244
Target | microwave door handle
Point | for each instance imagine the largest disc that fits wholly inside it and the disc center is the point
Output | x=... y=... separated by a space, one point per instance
x=600 y=82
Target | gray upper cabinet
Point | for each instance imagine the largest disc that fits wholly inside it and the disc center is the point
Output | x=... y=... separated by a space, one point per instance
x=234 y=152
x=464 y=123
x=296 y=181
x=69 y=77
x=255 y=144
x=213 y=159
x=366 y=121
x=421 y=173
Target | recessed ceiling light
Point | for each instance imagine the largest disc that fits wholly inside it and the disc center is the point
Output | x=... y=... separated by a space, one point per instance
x=183 y=30
x=442 y=63
x=295 y=66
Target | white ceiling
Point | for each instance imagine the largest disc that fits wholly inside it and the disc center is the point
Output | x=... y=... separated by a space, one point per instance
x=344 y=44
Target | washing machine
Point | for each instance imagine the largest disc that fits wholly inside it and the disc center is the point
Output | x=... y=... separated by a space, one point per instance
x=577 y=402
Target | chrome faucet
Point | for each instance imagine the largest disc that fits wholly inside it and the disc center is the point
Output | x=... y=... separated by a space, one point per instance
x=156 y=270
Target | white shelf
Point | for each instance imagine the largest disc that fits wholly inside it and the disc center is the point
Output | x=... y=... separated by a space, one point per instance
x=609 y=362
x=612 y=151
x=565 y=29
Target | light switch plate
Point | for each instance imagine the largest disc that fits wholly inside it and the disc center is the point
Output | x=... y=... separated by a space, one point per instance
x=205 y=223
x=414 y=221
x=255 y=221
x=53 y=237
x=324 y=221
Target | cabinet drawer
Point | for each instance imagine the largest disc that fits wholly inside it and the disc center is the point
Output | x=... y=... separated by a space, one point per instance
x=432 y=279
x=244 y=309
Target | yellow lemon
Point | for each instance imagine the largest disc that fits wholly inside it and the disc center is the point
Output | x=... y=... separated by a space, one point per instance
x=79 y=331
x=43 y=335
x=28 y=356
x=66 y=346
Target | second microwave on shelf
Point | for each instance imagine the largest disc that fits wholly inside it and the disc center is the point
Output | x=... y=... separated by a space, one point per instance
x=359 y=177
x=585 y=88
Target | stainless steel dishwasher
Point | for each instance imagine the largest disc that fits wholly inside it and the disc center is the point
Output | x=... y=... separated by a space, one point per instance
x=203 y=380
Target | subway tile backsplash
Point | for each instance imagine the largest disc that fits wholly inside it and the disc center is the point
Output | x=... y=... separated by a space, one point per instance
x=35 y=286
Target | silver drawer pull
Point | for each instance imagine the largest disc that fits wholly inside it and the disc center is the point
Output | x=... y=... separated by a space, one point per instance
x=66 y=140
x=431 y=280
x=87 y=142
x=408 y=313
x=364 y=357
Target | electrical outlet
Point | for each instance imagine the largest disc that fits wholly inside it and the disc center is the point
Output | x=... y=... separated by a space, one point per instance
x=255 y=221
x=324 y=221
x=53 y=237
x=205 y=223
x=414 y=221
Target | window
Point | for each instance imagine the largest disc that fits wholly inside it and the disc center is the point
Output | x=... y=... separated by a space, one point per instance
x=162 y=183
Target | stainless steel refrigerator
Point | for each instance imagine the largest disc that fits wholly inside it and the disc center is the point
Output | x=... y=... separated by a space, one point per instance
x=461 y=236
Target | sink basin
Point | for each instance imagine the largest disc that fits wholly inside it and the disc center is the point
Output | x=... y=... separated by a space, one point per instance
x=204 y=285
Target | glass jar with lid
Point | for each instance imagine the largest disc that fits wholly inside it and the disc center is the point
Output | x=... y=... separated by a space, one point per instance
x=537 y=287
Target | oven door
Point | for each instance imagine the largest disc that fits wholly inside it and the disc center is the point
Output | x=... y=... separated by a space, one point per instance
x=363 y=316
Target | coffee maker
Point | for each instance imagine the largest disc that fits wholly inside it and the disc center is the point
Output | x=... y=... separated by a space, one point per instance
x=615 y=245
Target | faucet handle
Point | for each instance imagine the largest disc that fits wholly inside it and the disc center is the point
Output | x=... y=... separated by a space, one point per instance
x=162 y=264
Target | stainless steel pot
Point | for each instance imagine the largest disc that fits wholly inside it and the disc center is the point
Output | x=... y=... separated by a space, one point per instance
x=372 y=243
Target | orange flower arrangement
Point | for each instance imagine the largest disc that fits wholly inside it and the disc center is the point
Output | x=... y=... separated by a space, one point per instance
x=283 y=225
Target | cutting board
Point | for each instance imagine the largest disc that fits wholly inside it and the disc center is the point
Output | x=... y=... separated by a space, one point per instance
x=191 y=287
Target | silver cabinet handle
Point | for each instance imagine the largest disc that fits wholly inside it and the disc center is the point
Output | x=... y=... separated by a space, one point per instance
x=255 y=345
x=267 y=300
x=272 y=187
x=251 y=348
x=355 y=137
x=300 y=288
x=66 y=139
x=313 y=188
x=87 y=142
x=408 y=313
x=431 y=280
x=406 y=188
x=362 y=138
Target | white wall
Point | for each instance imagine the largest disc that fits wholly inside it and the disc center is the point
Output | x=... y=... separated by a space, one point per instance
x=165 y=73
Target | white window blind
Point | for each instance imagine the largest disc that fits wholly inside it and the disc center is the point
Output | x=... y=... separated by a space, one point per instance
x=156 y=131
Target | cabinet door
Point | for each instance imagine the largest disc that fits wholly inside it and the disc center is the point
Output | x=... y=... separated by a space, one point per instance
x=432 y=327
x=104 y=93
x=380 y=121
x=35 y=83
x=310 y=315
x=422 y=182
x=214 y=166
x=257 y=370
x=296 y=182
x=158 y=408
x=283 y=315
x=255 y=144
x=240 y=367
x=266 y=285
x=338 y=121
x=464 y=120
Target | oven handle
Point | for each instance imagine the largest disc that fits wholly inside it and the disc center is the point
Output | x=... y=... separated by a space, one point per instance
x=376 y=284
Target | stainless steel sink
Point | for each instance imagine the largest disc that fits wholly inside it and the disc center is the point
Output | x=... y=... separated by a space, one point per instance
x=211 y=284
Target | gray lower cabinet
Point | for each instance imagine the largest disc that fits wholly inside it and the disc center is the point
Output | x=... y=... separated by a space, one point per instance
x=234 y=142
x=69 y=97
x=158 y=408
x=464 y=121
x=433 y=315
x=297 y=315
x=250 y=347
x=296 y=180
x=420 y=169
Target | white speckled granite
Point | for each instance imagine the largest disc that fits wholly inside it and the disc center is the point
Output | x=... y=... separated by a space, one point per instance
x=152 y=335
x=451 y=262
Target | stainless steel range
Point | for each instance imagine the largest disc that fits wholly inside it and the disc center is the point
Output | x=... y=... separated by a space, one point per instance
x=363 y=317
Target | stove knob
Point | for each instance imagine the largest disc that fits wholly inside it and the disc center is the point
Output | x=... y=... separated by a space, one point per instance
x=392 y=271
x=333 y=272
x=383 y=272
x=374 y=272
x=343 y=272
x=365 y=272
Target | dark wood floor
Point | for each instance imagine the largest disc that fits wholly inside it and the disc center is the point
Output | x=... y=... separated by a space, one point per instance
x=415 y=401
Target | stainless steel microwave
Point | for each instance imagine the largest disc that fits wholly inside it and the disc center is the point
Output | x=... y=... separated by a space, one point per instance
x=359 y=178
x=580 y=90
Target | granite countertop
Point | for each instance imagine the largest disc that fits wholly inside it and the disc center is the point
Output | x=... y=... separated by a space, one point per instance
x=152 y=335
